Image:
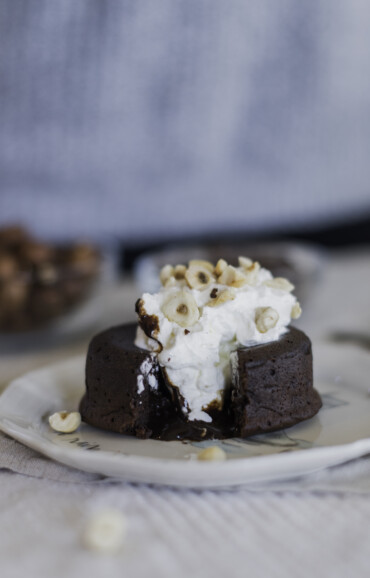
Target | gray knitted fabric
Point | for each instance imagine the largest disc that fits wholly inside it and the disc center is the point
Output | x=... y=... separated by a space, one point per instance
x=142 y=118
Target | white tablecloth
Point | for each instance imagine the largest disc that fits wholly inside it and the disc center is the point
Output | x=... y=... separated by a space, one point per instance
x=316 y=526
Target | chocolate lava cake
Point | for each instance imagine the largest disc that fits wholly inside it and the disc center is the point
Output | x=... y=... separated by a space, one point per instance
x=127 y=390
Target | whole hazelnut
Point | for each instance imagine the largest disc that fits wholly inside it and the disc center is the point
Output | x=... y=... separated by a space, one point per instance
x=8 y=267
x=36 y=253
x=12 y=236
x=13 y=295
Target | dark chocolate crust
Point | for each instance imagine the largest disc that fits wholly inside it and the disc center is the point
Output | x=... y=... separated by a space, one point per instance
x=271 y=389
x=112 y=401
x=273 y=386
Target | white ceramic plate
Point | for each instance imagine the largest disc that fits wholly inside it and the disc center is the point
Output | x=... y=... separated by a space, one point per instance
x=340 y=432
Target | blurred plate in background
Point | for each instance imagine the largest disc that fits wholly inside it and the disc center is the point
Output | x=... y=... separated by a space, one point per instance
x=299 y=263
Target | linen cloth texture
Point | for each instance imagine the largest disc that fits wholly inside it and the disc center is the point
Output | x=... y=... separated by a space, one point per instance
x=144 y=119
x=182 y=534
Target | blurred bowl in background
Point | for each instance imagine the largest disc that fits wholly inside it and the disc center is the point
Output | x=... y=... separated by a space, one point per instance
x=42 y=282
x=299 y=263
x=50 y=293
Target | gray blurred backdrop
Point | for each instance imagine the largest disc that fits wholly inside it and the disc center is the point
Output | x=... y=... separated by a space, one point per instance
x=151 y=118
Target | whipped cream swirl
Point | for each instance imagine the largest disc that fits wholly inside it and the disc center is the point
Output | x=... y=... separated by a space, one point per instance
x=204 y=313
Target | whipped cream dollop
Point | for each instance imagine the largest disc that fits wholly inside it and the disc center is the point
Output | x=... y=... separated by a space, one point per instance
x=201 y=315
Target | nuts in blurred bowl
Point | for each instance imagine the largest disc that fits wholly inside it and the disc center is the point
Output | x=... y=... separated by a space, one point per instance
x=40 y=282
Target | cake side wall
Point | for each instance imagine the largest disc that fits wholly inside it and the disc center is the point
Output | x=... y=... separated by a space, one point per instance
x=275 y=385
x=119 y=395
